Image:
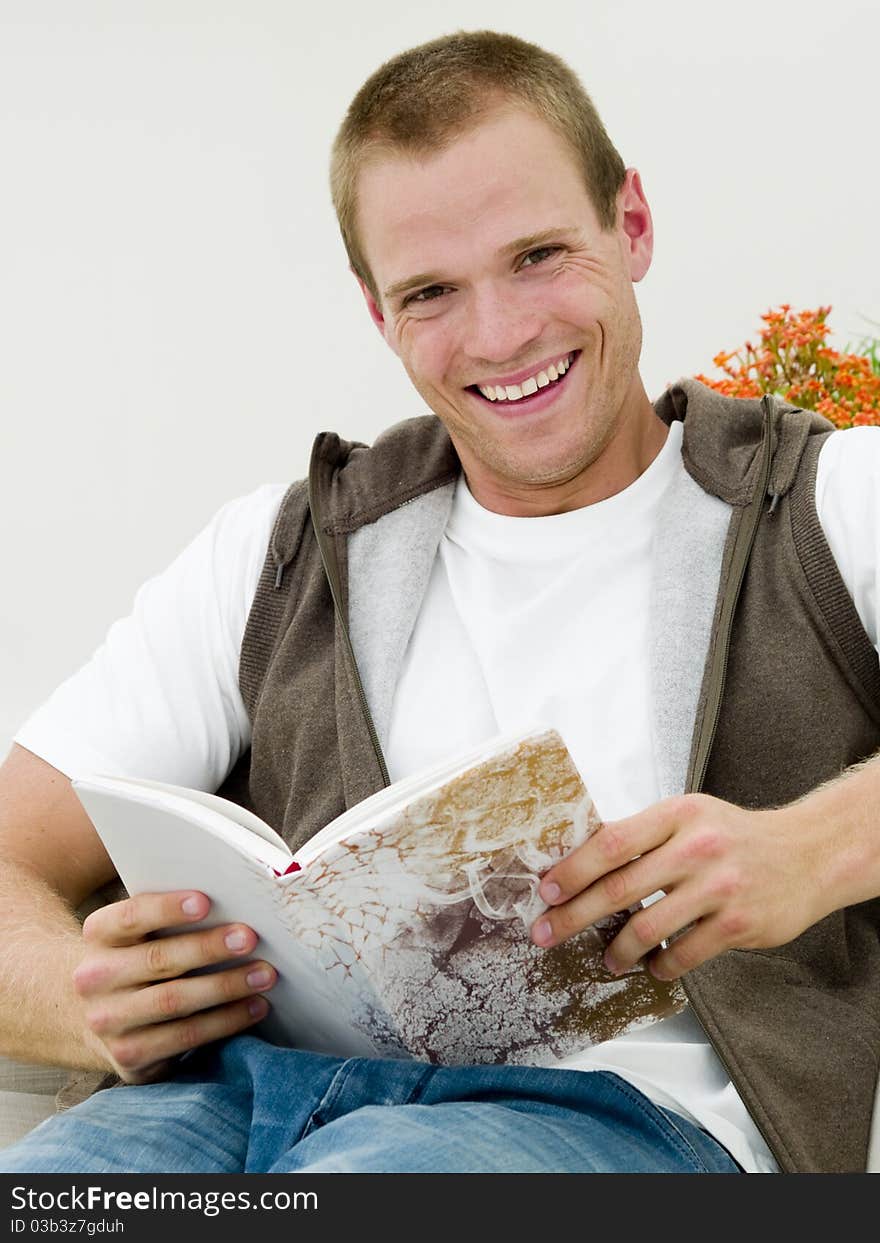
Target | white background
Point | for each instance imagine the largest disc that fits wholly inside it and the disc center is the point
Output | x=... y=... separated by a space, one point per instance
x=176 y=316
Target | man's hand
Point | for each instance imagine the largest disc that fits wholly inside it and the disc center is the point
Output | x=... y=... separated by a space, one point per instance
x=731 y=878
x=140 y=1014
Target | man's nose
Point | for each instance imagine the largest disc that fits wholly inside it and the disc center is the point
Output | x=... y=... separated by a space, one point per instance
x=500 y=325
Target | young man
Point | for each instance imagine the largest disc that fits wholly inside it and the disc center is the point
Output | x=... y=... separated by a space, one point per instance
x=656 y=582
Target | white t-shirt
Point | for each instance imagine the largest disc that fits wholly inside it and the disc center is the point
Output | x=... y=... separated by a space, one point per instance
x=524 y=619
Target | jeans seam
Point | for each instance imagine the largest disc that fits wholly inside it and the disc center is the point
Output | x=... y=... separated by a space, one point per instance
x=419 y=1088
x=669 y=1118
x=662 y=1122
x=337 y=1083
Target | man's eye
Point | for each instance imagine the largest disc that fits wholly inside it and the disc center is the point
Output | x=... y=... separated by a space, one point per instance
x=538 y=256
x=426 y=295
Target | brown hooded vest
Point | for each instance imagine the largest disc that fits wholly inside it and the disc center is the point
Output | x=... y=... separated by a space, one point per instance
x=790 y=696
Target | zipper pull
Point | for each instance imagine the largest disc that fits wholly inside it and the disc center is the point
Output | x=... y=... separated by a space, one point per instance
x=774 y=501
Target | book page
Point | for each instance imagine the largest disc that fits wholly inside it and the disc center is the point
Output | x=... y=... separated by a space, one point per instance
x=379 y=806
x=222 y=806
x=128 y=814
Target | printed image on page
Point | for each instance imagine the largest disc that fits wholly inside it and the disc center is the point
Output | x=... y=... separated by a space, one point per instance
x=421 y=924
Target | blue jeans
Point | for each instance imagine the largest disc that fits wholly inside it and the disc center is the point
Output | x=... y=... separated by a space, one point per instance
x=248 y=1107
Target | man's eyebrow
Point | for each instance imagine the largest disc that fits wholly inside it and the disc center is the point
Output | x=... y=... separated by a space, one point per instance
x=411 y=282
x=424 y=279
x=531 y=240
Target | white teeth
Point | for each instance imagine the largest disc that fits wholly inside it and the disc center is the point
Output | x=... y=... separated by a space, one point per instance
x=514 y=392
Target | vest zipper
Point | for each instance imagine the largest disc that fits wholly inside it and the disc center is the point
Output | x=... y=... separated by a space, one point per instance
x=742 y=549
x=739 y=560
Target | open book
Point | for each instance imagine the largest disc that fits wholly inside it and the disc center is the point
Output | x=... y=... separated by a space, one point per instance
x=402 y=928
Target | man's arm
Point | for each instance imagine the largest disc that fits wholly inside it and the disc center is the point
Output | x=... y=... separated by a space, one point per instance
x=106 y=995
x=733 y=878
x=51 y=863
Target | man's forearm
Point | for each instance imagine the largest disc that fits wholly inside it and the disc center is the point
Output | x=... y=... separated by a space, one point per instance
x=42 y=1015
x=843 y=818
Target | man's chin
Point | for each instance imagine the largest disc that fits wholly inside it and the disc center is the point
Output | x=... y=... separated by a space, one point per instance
x=534 y=483
x=541 y=461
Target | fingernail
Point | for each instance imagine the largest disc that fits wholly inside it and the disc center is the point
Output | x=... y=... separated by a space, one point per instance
x=259 y=978
x=542 y=932
x=610 y=964
x=235 y=940
x=257 y=1007
x=191 y=906
x=550 y=891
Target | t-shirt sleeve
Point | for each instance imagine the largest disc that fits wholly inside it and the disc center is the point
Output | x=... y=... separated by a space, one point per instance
x=159 y=699
x=848 y=505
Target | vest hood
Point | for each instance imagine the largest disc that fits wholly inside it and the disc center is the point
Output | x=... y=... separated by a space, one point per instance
x=722 y=438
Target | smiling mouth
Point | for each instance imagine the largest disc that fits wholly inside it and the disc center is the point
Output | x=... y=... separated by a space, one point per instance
x=537 y=385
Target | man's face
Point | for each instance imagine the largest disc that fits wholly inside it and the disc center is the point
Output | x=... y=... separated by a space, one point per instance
x=513 y=312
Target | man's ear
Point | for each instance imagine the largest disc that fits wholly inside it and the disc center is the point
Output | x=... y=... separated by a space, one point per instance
x=634 y=217
x=373 y=307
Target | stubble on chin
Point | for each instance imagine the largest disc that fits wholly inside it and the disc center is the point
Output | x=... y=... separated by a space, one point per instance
x=528 y=470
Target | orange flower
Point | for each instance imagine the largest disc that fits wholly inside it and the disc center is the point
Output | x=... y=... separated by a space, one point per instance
x=794 y=360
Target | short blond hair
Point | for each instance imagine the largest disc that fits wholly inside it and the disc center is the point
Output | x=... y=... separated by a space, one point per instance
x=420 y=101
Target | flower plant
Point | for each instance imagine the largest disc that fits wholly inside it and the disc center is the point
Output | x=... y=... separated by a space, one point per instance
x=794 y=360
